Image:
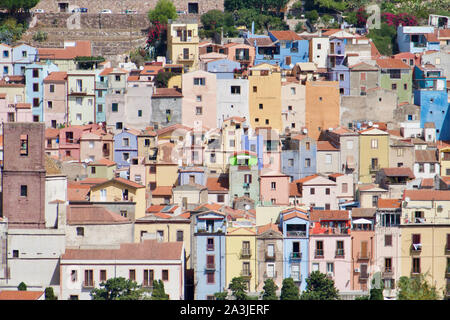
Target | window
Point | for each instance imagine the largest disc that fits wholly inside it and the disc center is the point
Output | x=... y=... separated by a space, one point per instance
x=165 y=275
x=232 y=143
x=124 y=213
x=114 y=107
x=267 y=121
x=125 y=142
x=260 y=106
x=80 y=231
x=273 y=185
x=374 y=201
x=119 y=125
x=210 y=244
x=199 y=81
x=88 y=278
x=198 y=110
x=50 y=104
x=255 y=89
x=328 y=158
x=132 y=274
x=394 y=86
x=117 y=77
x=416 y=265
x=74 y=275
x=256 y=119
x=220 y=198
x=395 y=73
x=99 y=108
x=421 y=167
x=15 y=253
x=199 y=98
x=293 y=91
x=405 y=86
x=52 y=88
x=35 y=73
x=148 y=278
x=36 y=102
x=139 y=113
x=387 y=240
x=341 y=77
x=23 y=190
x=330 y=267
x=432 y=168
x=235 y=89
x=363 y=76
x=327 y=191
x=388 y=264
x=312 y=191
x=79 y=116
x=374 y=143
x=290 y=162
x=339 y=248
x=24 y=145
x=319 y=248
x=319 y=46
x=307 y=163
x=344 y=188
x=125 y=156
x=102 y=275
x=100 y=93
x=210 y=277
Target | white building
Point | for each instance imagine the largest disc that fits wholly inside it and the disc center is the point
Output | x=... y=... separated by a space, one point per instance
x=232 y=99
x=84 y=269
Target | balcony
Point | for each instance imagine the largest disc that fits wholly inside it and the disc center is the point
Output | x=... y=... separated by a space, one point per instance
x=270 y=256
x=78 y=91
x=318 y=253
x=339 y=253
x=273 y=275
x=246 y=273
x=101 y=85
x=363 y=276
x=210 y=267
x=374 y=168
x=387 y=272
x=88 y=284
x=246 y=185
x=363 y=255
x=186 y=57
x=296 y=255
x=415 y=272
x=246 y=253
x=296 y=234
x=242 y=58
x=297 y=277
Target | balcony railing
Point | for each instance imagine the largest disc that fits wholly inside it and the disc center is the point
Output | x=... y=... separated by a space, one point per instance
x=416 y=248
x=246 y=273
x=88 y=284
x=374 y=168
x=363 y=276
x=270 y=256
x=388 y=271
x=246 y=253
x=319 y=253
x=242 y=58
x=296 y=233
x=186 y=57
x=210 y=267
x=363 y=255
x=297 y=277
x=270 y=276
x=209 y=247
x=340 y=253
x=296 y=255
x=78 y=91
x=246 y=185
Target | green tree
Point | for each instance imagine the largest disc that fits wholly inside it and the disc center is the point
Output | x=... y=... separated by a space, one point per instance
x=158 y=292
x=312 y=16
x=299 y=27
x=289 y=291
x=338 y=5
x=214 y=21
x=49 y=294
x=384 y=38
x=118 y=289
x=362 y=298
x=270 y=290
x=22 y=286
x=164 y=10
x=162 y=79
x=221 y=295
x=376 y=291
x=238 y=287
x=320 y=287
x=15 y=5
x=416 y=288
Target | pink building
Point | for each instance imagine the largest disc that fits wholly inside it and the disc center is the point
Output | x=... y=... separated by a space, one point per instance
x=199 y=99
x=91 y=146
x=69 y=142
x=55 y=99
x=240 y=52
x=14 y=112
x=330 y=246
x=271 y=148
x=344 y=186
x=318 y=191
x=274 y=188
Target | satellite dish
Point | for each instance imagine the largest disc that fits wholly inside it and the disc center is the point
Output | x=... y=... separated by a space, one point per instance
x=141 y=68
x=370 y=123
x=6 y=79
x=247 y=207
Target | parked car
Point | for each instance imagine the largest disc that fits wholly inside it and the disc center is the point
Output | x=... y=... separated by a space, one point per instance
x=39 y=11
x=130 y=11
x=106 y=11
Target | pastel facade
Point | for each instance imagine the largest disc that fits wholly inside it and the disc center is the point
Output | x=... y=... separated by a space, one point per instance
x=125 y=148
x=22 y=55
x=81 y=97
x=55 y=99
x=166 y=106
x=293 y=105
x=374 y=153
x=396 y=76
x=416 y=39
x=232 y=99
x=274 y=188
x=242 y=53
x=182 y=44
x=298 y=157
x=6 y=60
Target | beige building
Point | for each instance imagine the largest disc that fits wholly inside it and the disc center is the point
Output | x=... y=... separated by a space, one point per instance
x=182 y=44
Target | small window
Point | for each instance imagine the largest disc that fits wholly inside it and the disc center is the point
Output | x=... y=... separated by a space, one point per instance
x=255 y=89
x=119 y=125
x=165 y=275
x=50 y=104
x=35 y=87
x=235 y=89
x=117 y=77
x=312 y=191
x=80 y=231
x=387 y=240
x=260 y=106
x=52 y=88
x=15 y=253
x=23 y=190
x=92 y=170
x=132 y=274
x=199 y=98
x=180 y=236
x=139 y=113
x=24 y=145
x=114 y=107
x=273 y=185
x=198 y=111
x=35 y=73
x=102 y=275
x=199 y=81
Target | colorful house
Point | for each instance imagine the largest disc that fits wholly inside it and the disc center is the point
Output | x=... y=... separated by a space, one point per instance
x=330 y=246
x=274 y=188
x=64 y=58
x=55 y=99
x=294 y=224
x=81 y=97
x=232 y=99
x=22 y=55
x=125 y=147
x=244 y=176
x=298 y=156
x=444 y=160
x=102 y=168
x=182 y=44
x=166 y=106
x=373 y=153
x=241 y=260
x=417 y=39
x=209 y=253
x=396 y=76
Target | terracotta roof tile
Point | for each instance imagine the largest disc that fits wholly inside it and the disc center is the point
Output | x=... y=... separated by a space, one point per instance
x=92 y=214
x=398 y=172
x=286 y=35
x=319 y=215
x=162 y=191
x=389 y=203
x=260 y=42
x=427 y=183
x=77 y=191
x=295 y=214
x=51 y=133
x=325 y=146
x=81 y=48
x=145 y=250
x=391 y=63
x=425 y=156
x=219 y=183
x=270 y=226
x=209 y=206
x=294 y=190
x=166 y=92
x=20 y=295
x=427 y=195
x=102 y=162
x=56 y=76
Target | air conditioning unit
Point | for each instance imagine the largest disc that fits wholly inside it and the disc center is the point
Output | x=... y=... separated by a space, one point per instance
x=357 y=270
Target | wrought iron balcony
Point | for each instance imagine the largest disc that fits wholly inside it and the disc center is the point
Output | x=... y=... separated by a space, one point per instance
x=374 y=168
x=340 y=253
x=242 y=58
x=270 y=276
x=246 y=253
x=319 y=253
x=388 y=271
x=210 y=267
x=296 y=233
x=363 y=255
x=296 y=255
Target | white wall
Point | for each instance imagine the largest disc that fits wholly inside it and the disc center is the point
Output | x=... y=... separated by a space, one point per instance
x=55 y=189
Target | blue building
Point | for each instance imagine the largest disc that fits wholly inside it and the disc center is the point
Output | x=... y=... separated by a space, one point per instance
x=254 y=143
x=430 y=93
x=337 y=68
x=223 y=68
x=209 y=257
x=35 y=73
x=417 y=39
x=101 y=88
x=298 y=157
x=125 y=148
x=22 y=56
x=283 y=48
x=191 y=175
x=294 y=224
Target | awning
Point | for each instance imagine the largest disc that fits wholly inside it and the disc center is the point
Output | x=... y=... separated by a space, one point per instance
x=351 y=162
x=362 y=221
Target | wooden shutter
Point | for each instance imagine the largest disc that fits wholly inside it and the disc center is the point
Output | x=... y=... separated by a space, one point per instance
x=416 y=238
x=363 y=248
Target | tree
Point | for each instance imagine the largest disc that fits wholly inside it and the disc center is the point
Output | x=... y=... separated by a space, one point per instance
x=14 y=6
x=338 y=5
x=216 y=21
x=49 y=294
x=384 y=38
x=238 y=287
x=162 y=79
x=312 y=16
x=320 y=287
x=289 y=291
x=270 y=289
x=164 y=10
x=22 y=286
x=158 y=292
x=376 y=291
x=416 y=288
x=299 y=27
x=221 y=295
x=118 y=289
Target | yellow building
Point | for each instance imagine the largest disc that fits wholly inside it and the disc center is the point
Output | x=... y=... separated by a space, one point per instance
x=182 y=44
x=167 y=228
x=265 y=96
x=444 y=161
x=373 y=153
x=241 y=259
x=176 y=80
x=147 y=147
x=120 y=190
x=102 y=168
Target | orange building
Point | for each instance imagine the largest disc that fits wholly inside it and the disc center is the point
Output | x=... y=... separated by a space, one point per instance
x=322 y=105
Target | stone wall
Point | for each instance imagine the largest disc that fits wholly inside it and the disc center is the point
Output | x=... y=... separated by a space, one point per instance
x=119 y=6
x=92 y=21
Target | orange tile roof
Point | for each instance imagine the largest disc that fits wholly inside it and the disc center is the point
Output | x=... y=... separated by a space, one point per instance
x=425 y=156
x=155 y=208
x=267 y=227
x=81 y=48
x=162 y=191
x=20 y=295
x=93 y=214
x=427 y=183
x=444 y=33
x=295 y=214
x=77 y=191
x=427 y=195
x=56 y=76
x=209 y=206
x=23 y=106
x=236 y=119
x=320 y=215
x=51 y=133
x=389 y=203
x=219 y=183
x=286 y=35
x=172 y=128
x=133 y=78
x=305 y=179
x=145 y=250
x=166 y=92
x=325 y=146
x=391 y=63
x=398 y=172
x=294 y=190
x=102 y=162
